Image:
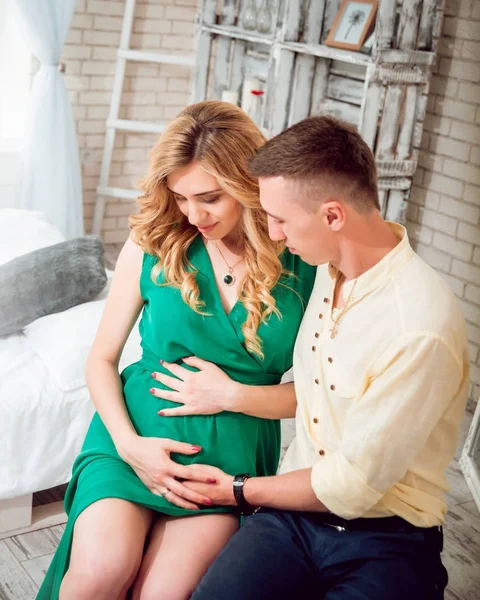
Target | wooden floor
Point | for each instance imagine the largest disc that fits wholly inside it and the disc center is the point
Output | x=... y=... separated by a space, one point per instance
x=25 y=558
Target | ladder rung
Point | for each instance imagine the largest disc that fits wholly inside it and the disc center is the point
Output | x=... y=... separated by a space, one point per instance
x=118 y=192
x=156 y=57
x=136 y=126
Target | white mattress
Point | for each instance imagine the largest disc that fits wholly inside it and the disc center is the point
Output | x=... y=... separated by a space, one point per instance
x=45 y=406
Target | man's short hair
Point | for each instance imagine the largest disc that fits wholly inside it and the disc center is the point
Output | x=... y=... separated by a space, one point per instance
x=327 y=155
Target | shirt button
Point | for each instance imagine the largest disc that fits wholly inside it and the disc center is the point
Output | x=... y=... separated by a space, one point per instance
x=315 y=420
x=320 y=316
x=317 y=335
x=326 y=300
x=317 y=381
x=321 y=452
x=314 y=348
x=330 y=359
x=332 y=387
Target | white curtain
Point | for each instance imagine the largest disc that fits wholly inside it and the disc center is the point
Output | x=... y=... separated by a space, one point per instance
x=50 y=178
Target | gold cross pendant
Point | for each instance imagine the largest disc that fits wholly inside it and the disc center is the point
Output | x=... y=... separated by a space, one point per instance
x=333 y=332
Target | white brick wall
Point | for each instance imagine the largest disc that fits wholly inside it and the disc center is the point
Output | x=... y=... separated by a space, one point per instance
x=444 y=214
x=151 y=92
x=443 y=218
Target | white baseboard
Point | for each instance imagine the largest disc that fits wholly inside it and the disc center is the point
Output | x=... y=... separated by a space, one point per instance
x=17 y=516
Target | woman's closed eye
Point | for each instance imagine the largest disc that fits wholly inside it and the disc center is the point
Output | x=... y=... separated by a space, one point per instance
x=204 y=200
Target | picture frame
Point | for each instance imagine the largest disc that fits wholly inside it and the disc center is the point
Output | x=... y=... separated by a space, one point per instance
x=368 y=44
x=354 y=21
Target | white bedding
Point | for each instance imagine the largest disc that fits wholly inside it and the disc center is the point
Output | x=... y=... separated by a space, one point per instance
x=41 y=425
x=45 y=407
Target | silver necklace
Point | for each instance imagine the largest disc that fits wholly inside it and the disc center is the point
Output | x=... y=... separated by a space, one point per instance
x=229 y=278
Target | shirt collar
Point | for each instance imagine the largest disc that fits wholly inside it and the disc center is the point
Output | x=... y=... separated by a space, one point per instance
x=390 y=264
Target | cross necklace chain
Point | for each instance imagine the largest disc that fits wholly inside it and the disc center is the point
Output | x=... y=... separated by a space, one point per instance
x=229 y=278
x=335 y=320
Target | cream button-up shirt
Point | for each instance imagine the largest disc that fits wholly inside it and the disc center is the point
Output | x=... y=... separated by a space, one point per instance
x=380 y=404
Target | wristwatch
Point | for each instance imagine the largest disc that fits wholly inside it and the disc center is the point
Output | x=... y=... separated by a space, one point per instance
x=238 y=483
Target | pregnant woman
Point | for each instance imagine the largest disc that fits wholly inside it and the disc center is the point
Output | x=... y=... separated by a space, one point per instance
x=212 y=285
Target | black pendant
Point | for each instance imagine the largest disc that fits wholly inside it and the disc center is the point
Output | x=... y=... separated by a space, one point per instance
x=229 y=279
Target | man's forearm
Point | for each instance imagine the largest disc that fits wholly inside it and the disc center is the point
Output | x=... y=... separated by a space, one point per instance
x=291 y=491
x=265 y=401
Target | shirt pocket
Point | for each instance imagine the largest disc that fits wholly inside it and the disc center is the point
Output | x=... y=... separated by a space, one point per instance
x=340 y=381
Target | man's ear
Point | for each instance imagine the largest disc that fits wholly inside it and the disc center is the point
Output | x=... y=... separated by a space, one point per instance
x=333 y=214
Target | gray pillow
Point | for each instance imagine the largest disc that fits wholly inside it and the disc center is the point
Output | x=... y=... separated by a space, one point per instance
x=50 y=280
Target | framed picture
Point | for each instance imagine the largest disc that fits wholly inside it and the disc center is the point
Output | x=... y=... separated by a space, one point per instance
x=353 y=23
x=368 y=44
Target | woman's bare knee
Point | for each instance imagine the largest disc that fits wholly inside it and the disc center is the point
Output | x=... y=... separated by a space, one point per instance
x=107 y=550
x=108 y=578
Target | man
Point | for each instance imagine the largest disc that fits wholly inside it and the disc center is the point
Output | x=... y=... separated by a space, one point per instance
x=381 y=376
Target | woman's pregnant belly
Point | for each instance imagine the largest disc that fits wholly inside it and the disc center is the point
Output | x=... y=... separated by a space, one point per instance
x=231 y=441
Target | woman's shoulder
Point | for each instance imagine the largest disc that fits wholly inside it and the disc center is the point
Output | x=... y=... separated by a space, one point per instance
x=149 y=260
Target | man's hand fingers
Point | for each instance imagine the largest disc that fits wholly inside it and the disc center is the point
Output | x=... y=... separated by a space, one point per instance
x=191 y=474
x=195 y=486
x=178 y=501
x=184 y=492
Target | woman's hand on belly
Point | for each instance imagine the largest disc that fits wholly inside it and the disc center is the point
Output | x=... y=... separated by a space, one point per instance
x=150 y=458
x=207 y=391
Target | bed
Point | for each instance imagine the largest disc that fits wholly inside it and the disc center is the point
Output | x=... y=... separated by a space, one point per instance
x=45 y=407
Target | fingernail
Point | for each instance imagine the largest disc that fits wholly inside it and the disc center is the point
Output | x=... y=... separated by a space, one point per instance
x=152 y=390
x=154 y=375
x=211 y=481
x=161 y=413
x=161 y=361
x=208 y=502
x=196 y=448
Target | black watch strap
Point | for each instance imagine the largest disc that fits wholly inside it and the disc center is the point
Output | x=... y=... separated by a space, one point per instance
x=238 y=483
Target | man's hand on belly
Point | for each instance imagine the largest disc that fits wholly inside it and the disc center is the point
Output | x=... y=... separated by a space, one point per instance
x=220 y=492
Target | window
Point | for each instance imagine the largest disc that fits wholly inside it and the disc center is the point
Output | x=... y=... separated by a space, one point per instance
x=15 y=72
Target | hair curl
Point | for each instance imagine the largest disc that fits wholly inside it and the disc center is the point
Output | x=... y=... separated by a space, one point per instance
x=222 y=138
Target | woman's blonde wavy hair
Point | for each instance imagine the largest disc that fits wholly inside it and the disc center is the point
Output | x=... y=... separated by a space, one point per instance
x=221 y=137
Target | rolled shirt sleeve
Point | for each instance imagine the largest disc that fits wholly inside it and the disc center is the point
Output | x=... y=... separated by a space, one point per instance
x=405 y=394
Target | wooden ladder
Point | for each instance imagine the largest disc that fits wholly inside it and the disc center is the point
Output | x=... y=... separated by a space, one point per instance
x=114 y=123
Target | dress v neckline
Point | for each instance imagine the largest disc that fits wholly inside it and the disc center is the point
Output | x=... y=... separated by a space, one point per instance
x=211 y=276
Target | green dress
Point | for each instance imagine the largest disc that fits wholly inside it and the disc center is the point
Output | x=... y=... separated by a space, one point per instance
x=171 y=330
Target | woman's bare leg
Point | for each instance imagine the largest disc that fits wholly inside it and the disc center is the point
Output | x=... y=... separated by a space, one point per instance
x=179 y=552
x=107 y=548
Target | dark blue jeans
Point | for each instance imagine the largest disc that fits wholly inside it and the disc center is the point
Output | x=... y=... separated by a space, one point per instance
x=284 y=555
